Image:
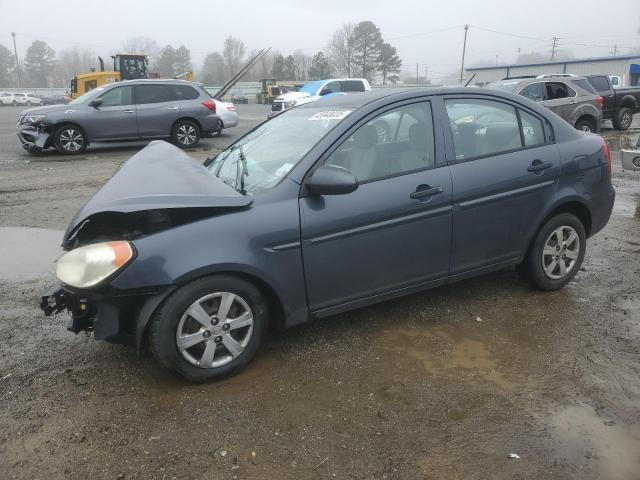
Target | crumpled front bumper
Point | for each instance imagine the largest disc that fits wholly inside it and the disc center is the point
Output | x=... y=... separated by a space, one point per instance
x=34 y=138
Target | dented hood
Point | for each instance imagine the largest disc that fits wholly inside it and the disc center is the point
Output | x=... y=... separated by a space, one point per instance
x=160 y=176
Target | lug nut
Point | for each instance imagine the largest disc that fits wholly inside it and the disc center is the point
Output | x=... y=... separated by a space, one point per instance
x=206 y=334
x=214 y=321
x=218 y=339
x=225 y=327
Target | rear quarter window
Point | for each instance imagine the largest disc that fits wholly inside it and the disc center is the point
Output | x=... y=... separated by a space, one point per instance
x=184 y=92
x=585 y=85
x=601 y=84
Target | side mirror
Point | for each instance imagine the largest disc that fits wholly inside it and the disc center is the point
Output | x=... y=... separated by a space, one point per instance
x=332 y=180
x=325 y=91
x=96 y=103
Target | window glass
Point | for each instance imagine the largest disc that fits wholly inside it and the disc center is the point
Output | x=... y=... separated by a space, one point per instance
x=116 y=97
x=534 y=91
x=599 y=83
x=331 y=87
x=153 y=94
x=183 y=92
x=585 y=85
x=482 y=127
x=557 y=90
x=532 y=129
x=352 y=86
x=376 y=150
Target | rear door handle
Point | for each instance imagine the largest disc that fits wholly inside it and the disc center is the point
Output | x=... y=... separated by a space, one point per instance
x=426 y=191
x=172 y=108
x=129 y=111
x=538 y=166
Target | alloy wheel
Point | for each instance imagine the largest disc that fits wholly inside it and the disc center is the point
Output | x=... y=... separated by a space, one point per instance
x=187 y=134
x=71 y=139
x=560 y=252
x=214 y=330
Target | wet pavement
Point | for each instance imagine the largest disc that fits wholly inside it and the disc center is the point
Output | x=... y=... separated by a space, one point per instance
x=442 y=384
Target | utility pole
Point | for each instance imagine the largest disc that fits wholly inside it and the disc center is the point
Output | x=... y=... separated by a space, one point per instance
x=519 y=49
x=464 y=49
x=425 y=73
x=417 y=78
x=553 y=47
x=496 y=60
x=615 y=50
x=15 y=51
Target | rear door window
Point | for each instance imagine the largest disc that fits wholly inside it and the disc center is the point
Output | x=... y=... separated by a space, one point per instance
x=153 y=94
x=352 y=86
x=601 y=84
x=558 y=90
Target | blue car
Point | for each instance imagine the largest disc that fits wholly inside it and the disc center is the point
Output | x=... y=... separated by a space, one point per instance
x=328 y=207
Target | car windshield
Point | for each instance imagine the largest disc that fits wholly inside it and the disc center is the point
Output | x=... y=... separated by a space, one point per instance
x=505 y=87
x=90 y=95
x=263 y=157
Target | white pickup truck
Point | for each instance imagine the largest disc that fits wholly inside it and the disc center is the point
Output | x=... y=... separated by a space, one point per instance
x=315 y=90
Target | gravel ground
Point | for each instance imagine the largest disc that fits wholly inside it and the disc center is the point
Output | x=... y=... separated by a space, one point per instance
x=442 y=384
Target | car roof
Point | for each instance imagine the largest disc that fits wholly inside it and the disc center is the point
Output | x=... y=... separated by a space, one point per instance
x=147 y=81
x=360 y=99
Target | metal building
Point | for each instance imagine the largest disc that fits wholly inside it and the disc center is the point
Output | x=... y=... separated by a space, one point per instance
x=627 y=67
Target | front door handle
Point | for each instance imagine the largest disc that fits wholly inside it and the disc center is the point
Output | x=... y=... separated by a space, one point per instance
x=129 y=111
x=538 y=166
x=172 y=108
x=426 y=191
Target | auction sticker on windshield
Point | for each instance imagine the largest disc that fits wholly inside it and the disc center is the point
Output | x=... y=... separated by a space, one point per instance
x=330 y=115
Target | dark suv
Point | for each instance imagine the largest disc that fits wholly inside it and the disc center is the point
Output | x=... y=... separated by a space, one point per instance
x=569 y=96
x=132 y=110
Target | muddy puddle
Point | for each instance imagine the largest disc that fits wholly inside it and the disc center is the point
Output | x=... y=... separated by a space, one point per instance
x=27 y=253
x=591 y=441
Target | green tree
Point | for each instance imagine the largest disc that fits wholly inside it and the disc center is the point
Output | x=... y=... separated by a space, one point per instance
x=182 y=61
x=278 y=67
x=39 y=64
x=389 y=63
x=166 y=61
x=7 y=64
x=213 y=70
x=367 y=41
x=289 y=68
x=320 y=67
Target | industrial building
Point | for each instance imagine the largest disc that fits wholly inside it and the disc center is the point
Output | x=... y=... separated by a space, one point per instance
x=626 y=67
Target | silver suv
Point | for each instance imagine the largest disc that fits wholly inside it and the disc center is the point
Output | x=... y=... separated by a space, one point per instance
x=131 y=110
x=569 y=96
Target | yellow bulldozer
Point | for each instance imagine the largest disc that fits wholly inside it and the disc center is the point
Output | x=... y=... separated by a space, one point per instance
x=126 y=66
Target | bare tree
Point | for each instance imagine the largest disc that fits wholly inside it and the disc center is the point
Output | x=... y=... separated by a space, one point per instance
x=73 y=61
x=301 y=65
x=142 y=45
x=233 y=52
x=340 y=50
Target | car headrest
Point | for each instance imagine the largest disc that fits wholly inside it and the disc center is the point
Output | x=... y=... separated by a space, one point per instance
x=500 y=135
x=366 y=137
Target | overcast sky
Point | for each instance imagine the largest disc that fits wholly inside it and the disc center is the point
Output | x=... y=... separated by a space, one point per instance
x=424 y=32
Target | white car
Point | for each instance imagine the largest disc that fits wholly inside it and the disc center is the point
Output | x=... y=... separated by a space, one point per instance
x=6 y=98
x=316 y=90
x=227 y=113
x=27 y=99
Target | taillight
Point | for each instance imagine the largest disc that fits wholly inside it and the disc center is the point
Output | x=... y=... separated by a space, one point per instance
x=607 y=154
x=210 y=104
x=599 y=102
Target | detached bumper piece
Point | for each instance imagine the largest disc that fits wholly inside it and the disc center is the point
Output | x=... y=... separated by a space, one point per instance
x=80 y=309
x=33 y=139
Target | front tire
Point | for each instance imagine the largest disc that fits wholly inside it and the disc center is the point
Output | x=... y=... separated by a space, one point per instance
x=623 y=119
x=70 y=140
x=209 y=328
x=556 y=254
x=185 y=134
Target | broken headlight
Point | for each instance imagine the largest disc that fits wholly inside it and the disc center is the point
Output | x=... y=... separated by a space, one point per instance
x=33 y=119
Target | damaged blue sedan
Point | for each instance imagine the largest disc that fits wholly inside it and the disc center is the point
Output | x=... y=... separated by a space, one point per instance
x=328 y=207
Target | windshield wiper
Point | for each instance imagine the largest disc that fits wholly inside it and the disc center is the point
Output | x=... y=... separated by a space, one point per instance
x=241 y=173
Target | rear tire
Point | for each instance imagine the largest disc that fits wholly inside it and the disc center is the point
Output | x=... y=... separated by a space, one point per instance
x=623 y=119
x=230 y=347
x=185 y=134
x=560 y=241
x=70 y=140
x=585 y=125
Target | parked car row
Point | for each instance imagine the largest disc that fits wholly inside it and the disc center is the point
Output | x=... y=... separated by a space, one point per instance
x=15 y=99
x=127 y=111
x=313 y=213
x=583 y=101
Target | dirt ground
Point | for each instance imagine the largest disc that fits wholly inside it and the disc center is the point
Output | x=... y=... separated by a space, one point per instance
x=444 y=384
